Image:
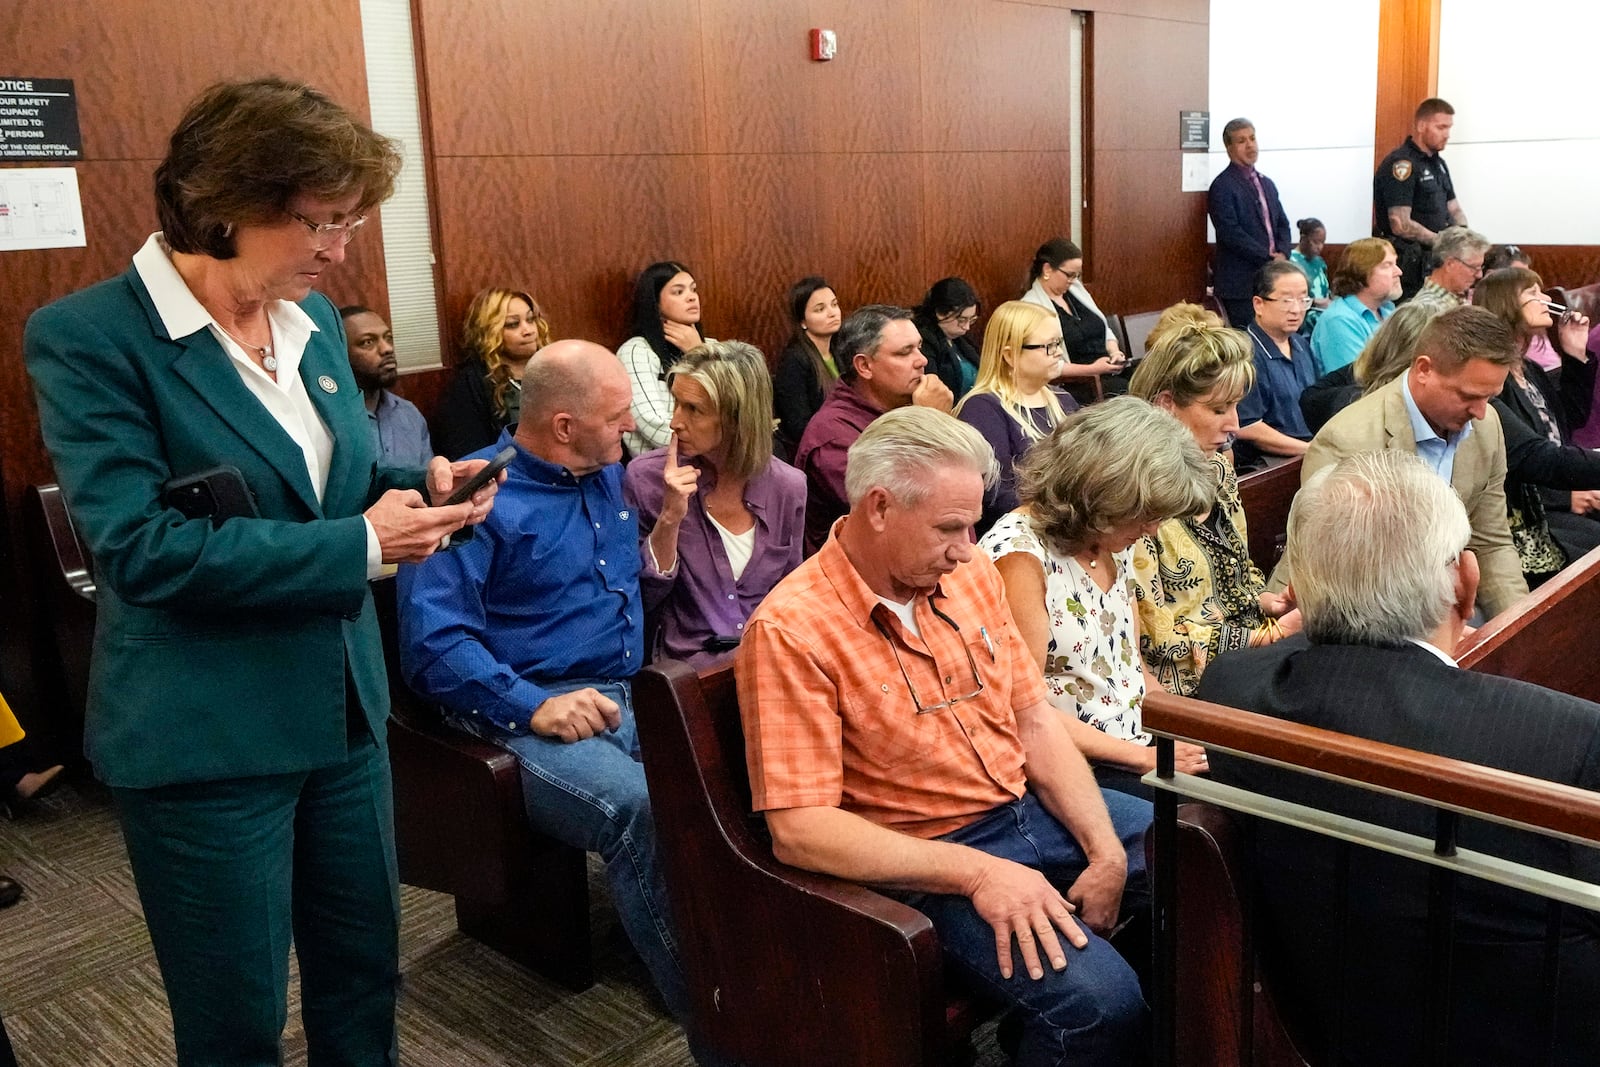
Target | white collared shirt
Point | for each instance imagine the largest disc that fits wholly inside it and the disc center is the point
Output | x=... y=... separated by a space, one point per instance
x=1444 y=657
x=286 y=399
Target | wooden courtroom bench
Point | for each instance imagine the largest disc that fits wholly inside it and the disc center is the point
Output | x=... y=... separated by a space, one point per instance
x=461 y=828
x=786 y=968
x=64 y=594
x=1544 y=637
x=1266 y=496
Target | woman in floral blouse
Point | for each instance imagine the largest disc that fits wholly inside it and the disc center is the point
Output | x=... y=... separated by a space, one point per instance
x=1200 y=595
x=1103 y=479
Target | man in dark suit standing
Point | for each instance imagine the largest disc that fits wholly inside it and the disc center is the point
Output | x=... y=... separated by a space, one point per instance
x=1251 y=226
x=1385 y=584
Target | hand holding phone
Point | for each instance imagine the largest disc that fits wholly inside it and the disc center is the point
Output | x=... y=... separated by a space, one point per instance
x=484 y=476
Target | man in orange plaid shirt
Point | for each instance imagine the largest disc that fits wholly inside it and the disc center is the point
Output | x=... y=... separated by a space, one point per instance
x=898 y=734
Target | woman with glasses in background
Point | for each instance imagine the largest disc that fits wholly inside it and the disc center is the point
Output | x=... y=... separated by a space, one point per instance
x=1105 y=478
x=1012 y=403
x=944 y=318
x=213 y=447
x=1055 y=283
x=502 y=331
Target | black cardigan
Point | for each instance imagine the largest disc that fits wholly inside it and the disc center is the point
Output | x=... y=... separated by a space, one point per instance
x=466 y=419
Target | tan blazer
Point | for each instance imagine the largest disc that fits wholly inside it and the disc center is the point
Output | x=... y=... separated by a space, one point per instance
x=1380 y=422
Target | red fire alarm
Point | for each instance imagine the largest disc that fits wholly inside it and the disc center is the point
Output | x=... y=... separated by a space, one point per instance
x=824 y=45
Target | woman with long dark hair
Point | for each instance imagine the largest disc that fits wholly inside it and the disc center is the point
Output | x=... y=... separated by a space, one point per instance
x=666 y=324
x=806 y=370
x=944 y=319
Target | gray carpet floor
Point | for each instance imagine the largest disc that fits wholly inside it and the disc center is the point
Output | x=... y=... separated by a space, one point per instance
x=79 y=986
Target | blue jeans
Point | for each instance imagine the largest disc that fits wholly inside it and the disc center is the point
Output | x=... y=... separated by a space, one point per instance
x=591 y=794
x=1091 y=1013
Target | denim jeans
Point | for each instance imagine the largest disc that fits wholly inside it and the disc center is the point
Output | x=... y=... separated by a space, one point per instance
x=591 y=794
x=1091 y=1013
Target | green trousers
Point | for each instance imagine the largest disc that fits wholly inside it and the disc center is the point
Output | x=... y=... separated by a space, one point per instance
x=229 y=871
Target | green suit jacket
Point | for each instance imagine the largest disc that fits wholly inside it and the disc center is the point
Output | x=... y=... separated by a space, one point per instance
x=218 y=653
x=1379 y=422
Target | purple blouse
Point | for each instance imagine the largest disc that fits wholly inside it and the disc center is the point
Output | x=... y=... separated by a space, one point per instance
x=700 y=599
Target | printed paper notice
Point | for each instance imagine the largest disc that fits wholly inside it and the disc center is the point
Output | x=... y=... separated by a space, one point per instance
x=40 y=208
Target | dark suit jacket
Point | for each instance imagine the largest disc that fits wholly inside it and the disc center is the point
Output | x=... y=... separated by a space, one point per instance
x=1242 y=246
x=219 y=652
x=1369 y=980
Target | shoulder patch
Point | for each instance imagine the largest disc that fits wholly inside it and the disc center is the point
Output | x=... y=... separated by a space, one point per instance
x=1401 y=169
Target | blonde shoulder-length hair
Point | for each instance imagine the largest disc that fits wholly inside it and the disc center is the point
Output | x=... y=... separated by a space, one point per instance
x=734 y=376
x=1003 y=338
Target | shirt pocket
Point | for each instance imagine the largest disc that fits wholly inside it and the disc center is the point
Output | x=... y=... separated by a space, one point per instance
x=881 y=728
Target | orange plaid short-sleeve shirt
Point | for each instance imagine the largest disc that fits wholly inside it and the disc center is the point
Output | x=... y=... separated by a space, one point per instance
x=829 y=720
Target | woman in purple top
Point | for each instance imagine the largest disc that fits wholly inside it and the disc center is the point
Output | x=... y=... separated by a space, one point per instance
x=721 y=519
x=1013 y=403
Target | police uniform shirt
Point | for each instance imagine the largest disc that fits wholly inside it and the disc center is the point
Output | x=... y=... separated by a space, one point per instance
x=1410 y=177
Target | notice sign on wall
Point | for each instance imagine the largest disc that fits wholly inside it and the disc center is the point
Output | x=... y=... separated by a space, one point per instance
x=1194 y=130
x=39 y=119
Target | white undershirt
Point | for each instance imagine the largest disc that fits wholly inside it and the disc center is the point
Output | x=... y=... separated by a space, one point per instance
x=906 y=613
x=740 y=547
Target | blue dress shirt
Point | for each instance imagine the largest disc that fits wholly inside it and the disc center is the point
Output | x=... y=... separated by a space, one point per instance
x=1437 y=452
x=400 y=432
x=545 y=593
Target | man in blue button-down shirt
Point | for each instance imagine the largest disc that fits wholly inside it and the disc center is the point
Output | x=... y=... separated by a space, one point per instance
x=530 y=633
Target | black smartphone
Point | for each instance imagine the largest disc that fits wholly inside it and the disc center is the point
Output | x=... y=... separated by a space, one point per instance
x=218 y=494
x=499 y=463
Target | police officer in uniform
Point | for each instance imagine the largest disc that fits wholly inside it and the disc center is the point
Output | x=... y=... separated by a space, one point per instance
x=1412 y=195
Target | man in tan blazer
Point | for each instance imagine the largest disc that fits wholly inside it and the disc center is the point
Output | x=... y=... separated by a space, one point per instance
x=1439 y=410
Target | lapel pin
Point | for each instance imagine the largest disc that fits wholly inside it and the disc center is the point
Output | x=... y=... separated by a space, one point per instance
x=328 y=384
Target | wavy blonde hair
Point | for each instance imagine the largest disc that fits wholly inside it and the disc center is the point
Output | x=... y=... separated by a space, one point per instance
x=483 y=336
x=1194 y=362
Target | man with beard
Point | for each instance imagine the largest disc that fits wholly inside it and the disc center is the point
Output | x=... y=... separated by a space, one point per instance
x=397 y=425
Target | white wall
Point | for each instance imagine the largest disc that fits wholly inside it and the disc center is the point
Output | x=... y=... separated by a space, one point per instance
x=1525 y=150
x=1276 y=62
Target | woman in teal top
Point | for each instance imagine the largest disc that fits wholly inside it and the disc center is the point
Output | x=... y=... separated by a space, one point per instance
x=1307 y=255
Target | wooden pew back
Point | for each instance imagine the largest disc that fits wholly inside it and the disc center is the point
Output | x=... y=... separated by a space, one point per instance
x=786 y=968
x=1543 y=638
x=1266 y=496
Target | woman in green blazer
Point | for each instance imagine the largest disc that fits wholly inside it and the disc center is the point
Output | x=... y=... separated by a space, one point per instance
x=237 y=697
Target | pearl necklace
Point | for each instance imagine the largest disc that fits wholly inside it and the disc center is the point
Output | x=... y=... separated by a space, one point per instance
x=269 y=362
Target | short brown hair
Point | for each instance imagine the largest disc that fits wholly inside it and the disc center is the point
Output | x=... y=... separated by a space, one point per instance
x=1467 y=333
x=244 y=150
x=1431 y=107
x=1500 y=294
x=1361 y=257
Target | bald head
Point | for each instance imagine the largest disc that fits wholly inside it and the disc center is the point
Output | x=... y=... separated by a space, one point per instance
x=576 y=398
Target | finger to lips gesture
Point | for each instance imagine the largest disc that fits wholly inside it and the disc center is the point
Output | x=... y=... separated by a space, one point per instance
x=1020 y=904
x=678 y=483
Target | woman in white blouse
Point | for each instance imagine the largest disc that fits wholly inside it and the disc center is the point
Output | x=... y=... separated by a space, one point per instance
x=1105 y=477
x=666 y=324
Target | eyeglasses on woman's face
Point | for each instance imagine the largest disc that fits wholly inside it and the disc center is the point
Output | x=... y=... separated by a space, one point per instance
x=327 y=234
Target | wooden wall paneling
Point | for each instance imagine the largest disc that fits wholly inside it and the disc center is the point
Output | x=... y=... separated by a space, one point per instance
x=987 y=212
x=763 y=93
x=1172 y=10
x=535 y=77
x=1569 y=266
x=1408 y=68
x=1146 y=245
x=553 y=224
x=133 y=79
x=995 y=76
x=853 y=218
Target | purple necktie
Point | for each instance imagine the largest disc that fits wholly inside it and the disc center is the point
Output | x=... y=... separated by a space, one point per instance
x=1266 y=216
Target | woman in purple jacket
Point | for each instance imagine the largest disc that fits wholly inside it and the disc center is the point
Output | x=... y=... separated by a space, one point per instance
x=721 y=519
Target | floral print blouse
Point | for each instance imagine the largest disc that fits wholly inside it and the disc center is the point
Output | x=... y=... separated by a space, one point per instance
x=1197 y=589
x=1092 y=662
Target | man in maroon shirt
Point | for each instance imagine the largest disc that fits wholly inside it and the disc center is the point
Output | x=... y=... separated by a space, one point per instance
x=879 y=354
